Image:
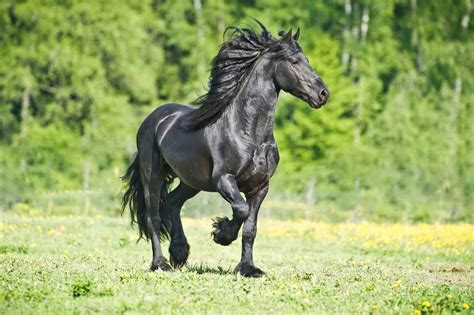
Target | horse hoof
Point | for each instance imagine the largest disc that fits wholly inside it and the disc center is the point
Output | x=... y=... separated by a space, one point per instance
x=179 y=252
x=160 y=265
x=249 y=271
x=223 y=232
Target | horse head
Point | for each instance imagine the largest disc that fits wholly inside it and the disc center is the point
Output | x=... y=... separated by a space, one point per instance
x=294 y=74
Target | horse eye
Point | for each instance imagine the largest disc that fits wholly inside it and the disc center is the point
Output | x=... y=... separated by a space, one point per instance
x=294 y=61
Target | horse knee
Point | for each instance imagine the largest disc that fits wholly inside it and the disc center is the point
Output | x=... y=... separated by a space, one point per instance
x=153 y=217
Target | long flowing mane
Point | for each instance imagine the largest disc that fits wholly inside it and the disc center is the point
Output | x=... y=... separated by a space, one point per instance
x=229 y=69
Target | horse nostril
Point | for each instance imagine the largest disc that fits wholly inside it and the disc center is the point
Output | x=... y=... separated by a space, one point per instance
x=323 y=93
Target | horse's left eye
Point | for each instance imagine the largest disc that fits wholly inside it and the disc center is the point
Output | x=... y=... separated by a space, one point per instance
x=294 y=61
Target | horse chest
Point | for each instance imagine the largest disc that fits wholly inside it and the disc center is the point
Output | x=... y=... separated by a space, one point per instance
x=260 y=167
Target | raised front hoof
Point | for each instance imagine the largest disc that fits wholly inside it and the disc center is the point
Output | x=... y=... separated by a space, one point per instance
x=179 y=253
x=161 y=264
x=224 y=232
x=249 y=271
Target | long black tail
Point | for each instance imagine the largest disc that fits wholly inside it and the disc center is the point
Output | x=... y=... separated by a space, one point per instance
x=134 y=198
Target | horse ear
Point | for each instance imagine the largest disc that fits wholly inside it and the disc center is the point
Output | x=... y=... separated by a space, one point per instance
x=288 y=37
x=297 y=34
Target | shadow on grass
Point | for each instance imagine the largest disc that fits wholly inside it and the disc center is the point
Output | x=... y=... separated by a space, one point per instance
x=203 y=269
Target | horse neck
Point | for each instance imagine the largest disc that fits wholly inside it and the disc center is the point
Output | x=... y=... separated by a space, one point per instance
x=251 y=114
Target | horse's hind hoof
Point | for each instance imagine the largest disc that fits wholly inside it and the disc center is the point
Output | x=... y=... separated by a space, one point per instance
x=249 y=271
x=224 y=232
x=160 y=264
x=179 y=252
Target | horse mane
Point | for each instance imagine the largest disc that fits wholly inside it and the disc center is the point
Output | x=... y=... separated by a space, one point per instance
x=229 y=70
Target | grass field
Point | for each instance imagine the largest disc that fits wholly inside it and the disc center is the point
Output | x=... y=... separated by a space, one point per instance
x=74 y=264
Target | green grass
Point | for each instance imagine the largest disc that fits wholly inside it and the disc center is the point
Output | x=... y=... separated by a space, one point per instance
x=80 y=264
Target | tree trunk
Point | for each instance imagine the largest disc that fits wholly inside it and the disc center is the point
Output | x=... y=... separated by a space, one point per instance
x=364 y=27
x=25 y=105
x=24 y=116
x=346 y=35
x=201 y=66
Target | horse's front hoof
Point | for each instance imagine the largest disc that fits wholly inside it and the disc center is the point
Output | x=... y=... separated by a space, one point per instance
x=179 y=252
x=160 y=264
x=224 y=232
x=249 y=271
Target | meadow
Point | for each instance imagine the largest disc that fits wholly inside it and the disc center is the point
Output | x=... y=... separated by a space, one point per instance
x=84 y=264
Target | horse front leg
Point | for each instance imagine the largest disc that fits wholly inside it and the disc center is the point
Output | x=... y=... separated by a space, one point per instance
x=246 y=266
x=226 y=231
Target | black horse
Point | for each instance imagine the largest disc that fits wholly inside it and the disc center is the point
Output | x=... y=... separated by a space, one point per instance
x=226 y=145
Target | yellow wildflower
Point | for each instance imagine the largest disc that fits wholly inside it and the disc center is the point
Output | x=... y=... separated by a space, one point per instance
x=465 y=306
x=124 y=278
x=426 y=304
x=370 y=287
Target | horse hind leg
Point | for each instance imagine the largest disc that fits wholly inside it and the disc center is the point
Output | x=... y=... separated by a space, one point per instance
x=153 y=181
x=179 y=247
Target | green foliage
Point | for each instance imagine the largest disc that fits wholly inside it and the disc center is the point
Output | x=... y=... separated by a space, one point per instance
x=394 y=142
x=6 y=249
x=81 y=287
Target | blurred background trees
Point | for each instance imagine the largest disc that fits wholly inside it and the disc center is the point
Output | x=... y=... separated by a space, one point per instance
x=395 y=142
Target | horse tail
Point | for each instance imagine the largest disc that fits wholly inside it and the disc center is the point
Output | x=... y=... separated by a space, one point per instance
x=134 y=199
